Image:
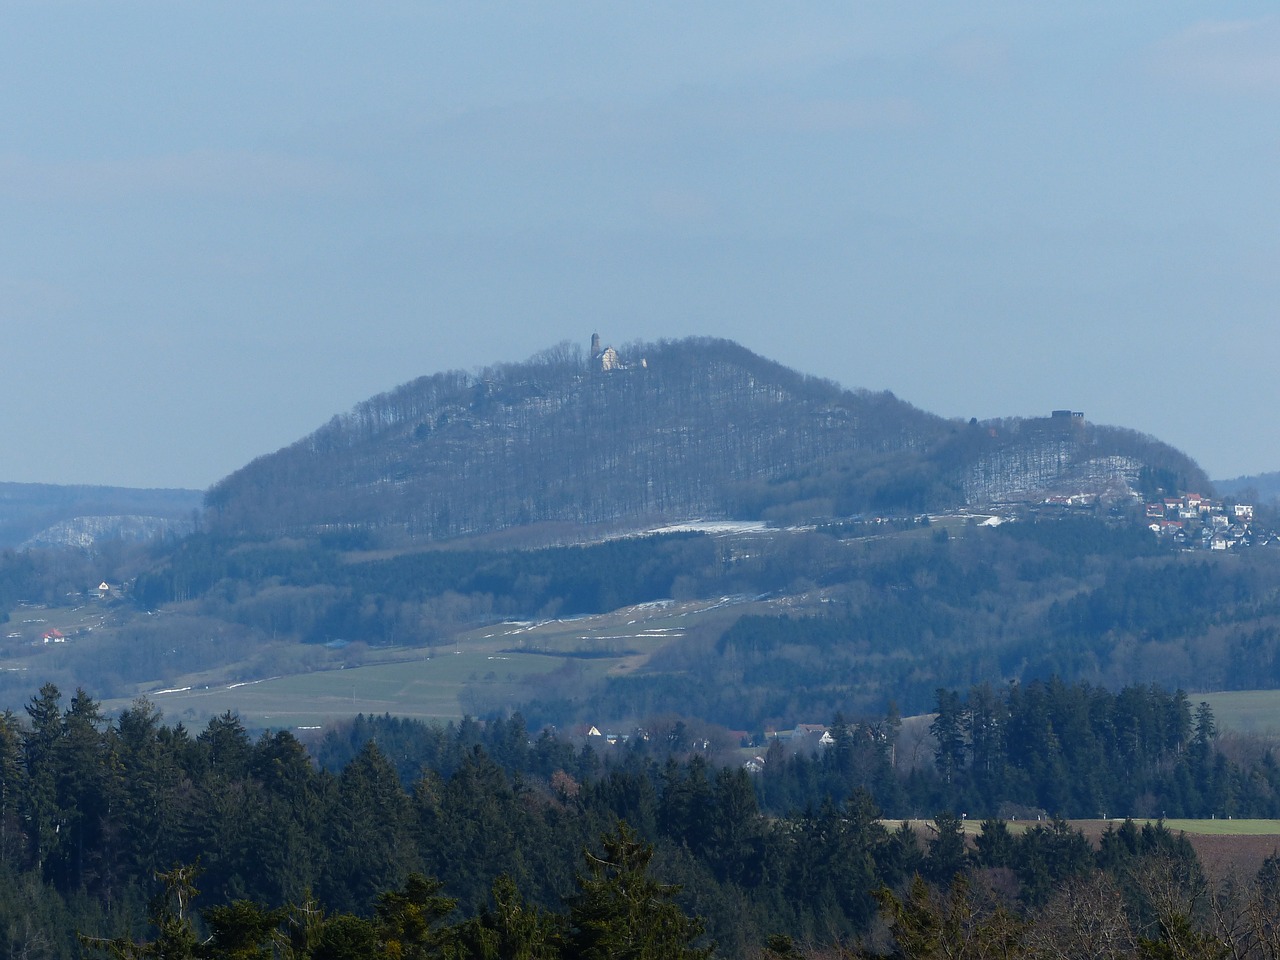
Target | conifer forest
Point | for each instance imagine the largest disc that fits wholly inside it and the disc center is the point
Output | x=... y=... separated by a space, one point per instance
x=133 y=837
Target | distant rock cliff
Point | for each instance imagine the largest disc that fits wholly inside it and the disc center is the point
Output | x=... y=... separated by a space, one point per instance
x=699 y=428
x=86 y=532
x=50 y=514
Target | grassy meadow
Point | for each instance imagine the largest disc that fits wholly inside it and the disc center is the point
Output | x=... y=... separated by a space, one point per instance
x=1244 y=711
x=493 y=667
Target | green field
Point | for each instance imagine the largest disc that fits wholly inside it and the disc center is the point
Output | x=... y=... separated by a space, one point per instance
x=425 y=687
x=490 y=668
x=1244 y=711
x=1224 y=828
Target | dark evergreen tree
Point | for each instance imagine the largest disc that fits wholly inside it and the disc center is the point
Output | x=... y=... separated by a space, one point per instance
x=242 y=930
x=948 y=733
x=40 y=807
x=947 y=852
x=623 y=913
x=172 y=917
x=365 y=828
x=410 y=920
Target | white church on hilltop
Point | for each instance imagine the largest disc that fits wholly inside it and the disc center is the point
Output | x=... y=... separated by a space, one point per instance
x=607 y=358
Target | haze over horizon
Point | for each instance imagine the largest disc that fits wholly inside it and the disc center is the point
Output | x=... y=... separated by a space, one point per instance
x=227 y=223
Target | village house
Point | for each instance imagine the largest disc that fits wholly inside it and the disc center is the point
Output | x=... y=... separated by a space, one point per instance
x=1195 y=521
x=816 y=731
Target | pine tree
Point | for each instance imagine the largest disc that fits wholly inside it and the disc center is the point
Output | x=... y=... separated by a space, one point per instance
x=410 y=920
x=947 y=854
x=511 y=929
x=241 y=930
x=39 y=761
x=622 y=913
x=948 y=730
x=171 y=915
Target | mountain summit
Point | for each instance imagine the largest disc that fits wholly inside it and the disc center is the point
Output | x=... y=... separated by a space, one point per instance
x=662 y=431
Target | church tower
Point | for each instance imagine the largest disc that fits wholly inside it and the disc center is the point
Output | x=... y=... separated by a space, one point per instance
x=595 y=345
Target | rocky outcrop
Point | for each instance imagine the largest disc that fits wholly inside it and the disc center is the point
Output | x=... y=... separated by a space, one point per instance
x=86 y=532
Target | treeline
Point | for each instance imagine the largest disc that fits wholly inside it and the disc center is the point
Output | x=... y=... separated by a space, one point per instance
x=1135 y=884
x=1032 y=750
x=1141 y=896
x=92 y=811
x=1079 y=599
x=1037 y=749
x=619 y=911
x=42 y=576
x=307 y=589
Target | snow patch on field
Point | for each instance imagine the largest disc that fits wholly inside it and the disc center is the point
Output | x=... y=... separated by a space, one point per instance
x=714 y=526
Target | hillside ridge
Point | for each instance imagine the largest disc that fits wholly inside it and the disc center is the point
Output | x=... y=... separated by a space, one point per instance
x=54 y=514
x=698 y=427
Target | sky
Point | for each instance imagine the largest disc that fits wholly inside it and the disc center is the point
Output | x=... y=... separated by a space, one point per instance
x=221 y=223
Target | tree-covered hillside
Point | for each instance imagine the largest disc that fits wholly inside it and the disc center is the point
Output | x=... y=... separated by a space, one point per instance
x=691 y=428
x=52 y=514
x=846 y=617
x=894 y=619
x=1258 y=488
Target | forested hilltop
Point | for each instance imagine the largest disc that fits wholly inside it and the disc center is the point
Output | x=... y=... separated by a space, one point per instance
x=49 y=514
x=1261 y=488
x=676 y=429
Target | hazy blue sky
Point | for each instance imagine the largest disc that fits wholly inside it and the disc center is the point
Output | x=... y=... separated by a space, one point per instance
x=223 y=222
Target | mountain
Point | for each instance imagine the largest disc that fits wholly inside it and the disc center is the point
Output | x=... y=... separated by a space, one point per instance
x=1261 y=487
x=51 y=514
x=669 y=430
x=303 y=564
